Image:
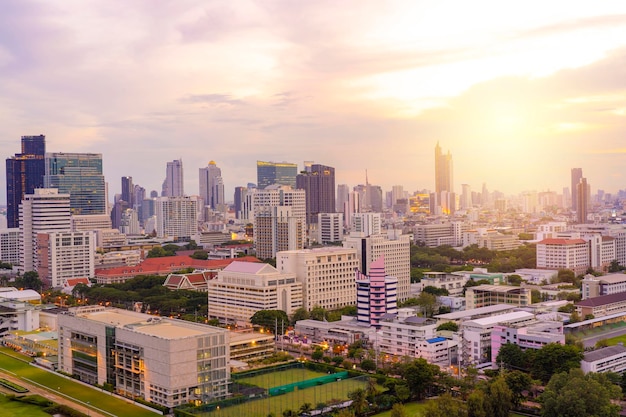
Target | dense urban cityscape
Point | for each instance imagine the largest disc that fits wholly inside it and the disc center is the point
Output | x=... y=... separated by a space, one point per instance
x=270 y=208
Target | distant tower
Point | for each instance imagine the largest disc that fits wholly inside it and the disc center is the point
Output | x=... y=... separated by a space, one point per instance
x=282 y=173
x=173 y=184
x=342 y=196
x=466 y=196
x=24 y=173
x=212 y=186
x=128 y=190
x=577 y=174
x=583 y=194
x=318 y=182
x=443 y=171
x=80 y=176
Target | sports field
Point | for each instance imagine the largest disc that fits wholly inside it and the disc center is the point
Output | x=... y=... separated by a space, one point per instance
x=283 y=377
x=14 y=363
x=17 y=409
x=615 y=340
x=291 y=401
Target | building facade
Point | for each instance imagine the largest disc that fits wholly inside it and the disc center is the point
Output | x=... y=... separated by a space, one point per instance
x=80 y=176
x=212 y=186
x=173 y=185
x=281 y=173
x=376 y=294
x=563 y=254
x=164 y=361
x=318 y=182
x=176 y=217
x=326 y=274
x=243 y=288
x=24 y=173
x=65 y=255
x=10 y=246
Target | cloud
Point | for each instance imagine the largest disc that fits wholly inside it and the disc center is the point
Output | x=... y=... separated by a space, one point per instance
x=212 y=99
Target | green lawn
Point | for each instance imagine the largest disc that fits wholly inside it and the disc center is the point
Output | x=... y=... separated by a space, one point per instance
x=77 y=392
x=412 y=409
x=18 y=409
x=287 y=376
x=615 y=340
x=292 y=400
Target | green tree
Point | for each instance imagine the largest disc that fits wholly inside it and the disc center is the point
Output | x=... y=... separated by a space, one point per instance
x=555 y=358
x=435 y=291
x=574 y=394
x=419 y=376
x=450 y=325
x=402 y=392
x=273 y=320
x=427 y=302
x=318 y=313
x=498 y=398
x=444 y=406
x=615 y=266
x=299 y=314
x=476 y=404
x=514 y=280
x=511 y=356
x=317 y=355
x=518 y=382
x=368 y=365
x=31 y=281
x=359 y=401
x=200 y=254
x=398 y=410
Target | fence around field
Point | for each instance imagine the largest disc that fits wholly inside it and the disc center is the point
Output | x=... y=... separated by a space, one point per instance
x=282 y=389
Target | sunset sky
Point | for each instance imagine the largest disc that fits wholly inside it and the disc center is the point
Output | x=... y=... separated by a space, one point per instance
x=519 y=92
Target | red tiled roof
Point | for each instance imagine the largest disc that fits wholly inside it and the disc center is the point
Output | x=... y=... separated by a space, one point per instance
x=561 y=241
x=168 y=264
x=71 y=282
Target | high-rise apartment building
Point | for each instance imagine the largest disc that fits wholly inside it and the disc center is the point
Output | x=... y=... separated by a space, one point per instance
x=443 y=171
x=318 y=181
x=10 y=245
x=24 y=173
x=583 y=198
x=177 y=217
x=279 y=220
x=576 y=176
x=330 y=227
x=80 y=176
x=212 y=187
x=282 y=173
x=46 y=210
x=173 y=183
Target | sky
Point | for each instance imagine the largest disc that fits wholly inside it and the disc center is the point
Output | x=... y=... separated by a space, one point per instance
x=518 y=92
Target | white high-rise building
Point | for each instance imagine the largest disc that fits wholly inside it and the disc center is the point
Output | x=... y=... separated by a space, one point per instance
x=65 y=255
x=173 y=184
x=397 y=253
x=43 y=211
x=350 y=207
x=279 y=220
x=342 y=196
x=366 y=224
x=10 y=246
x=212 y=186
x=129 y=224
x=176 y=217
x=326 y=274
x=330 y=227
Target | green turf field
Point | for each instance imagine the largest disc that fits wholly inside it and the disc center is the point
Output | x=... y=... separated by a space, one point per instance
x=292 y=400
x=615 y=340
x=14 y=363
x=284 y=377
x=412 y=410
x=17 y=409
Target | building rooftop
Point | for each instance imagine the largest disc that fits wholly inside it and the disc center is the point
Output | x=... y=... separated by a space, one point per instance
x=481 y=311
x=250 y=268
x=561 y=241
x=602 y=300
x=436 y=340
x=504 y=318
x=497 y=288
x=604 y=353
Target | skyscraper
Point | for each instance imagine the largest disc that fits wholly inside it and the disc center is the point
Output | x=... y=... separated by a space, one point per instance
x=282 y=173
x=576 y=176
x=176 y=217
x=80 y=176
x=583 y=195
x=128 y=191
x=24 y=172
x=173 y=184
x=318 y=182
x=212 y=186
x=443 y=171
x=342 y=197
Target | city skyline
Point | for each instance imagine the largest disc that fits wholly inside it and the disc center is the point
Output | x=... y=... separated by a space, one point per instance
x=519 y=95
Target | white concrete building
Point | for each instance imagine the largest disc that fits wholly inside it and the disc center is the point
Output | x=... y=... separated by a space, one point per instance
x=534 y=335
x=593 y=286
x=330 y=227
x=10 y=246
x=64 y=255
x=176 y=217
x=365 y=224
x=400 y=333
x=81 y=222
x=563 y=254
x=43 y=211
x=439 y=351
x=243 y=288
x=326 y=274
x=168 y=362
x=453 y=283
x=396 y=251
x=607 y=359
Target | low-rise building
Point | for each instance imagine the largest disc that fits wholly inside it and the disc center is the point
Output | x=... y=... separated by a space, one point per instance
x=526 y=335
x=453 y=283
x=164 y=361
x=488 y=295
x=603 y=305
x=194 y=281
x=400 y=333
x=593 y=286
x=250 y=346
x=345 y=331
x=607 y=359
x=439 y=351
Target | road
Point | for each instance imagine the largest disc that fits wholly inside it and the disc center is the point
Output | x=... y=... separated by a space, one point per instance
x=591 y=341
x=52 y=395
